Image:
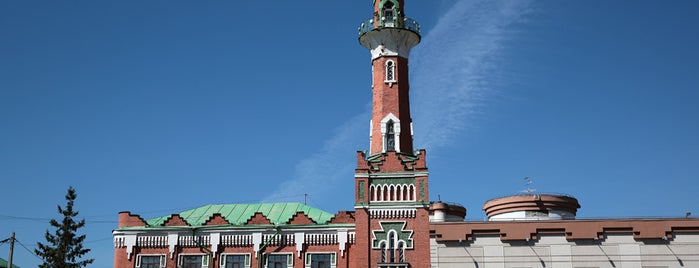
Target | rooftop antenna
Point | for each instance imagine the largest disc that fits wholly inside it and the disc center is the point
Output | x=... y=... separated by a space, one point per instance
x=305 y=198
x=527 y=183
x=687 y=214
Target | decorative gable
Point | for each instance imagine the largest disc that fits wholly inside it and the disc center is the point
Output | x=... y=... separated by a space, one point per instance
x=217 y=219
x=258 y=219
x=343 y=217
x=126 y=219
x=300 y=218
x=175 y=220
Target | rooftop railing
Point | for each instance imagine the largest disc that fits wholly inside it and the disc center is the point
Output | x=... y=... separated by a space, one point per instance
x=395 y=22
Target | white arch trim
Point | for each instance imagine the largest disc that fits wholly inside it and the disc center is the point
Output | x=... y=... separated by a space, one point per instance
x=396 y=131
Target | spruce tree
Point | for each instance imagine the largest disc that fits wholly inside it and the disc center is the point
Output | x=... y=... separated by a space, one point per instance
x=64 y=248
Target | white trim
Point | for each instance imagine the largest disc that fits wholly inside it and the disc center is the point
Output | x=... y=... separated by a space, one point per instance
x=300 y=239
x=256 y=241
x=205 y=258
x=389 y=42
x=289 y=258
x=396 y=131
x=371 y=130
x=342 y=240
x=392 y=213
x=378 y=191
x=130 y=241
x=172 y=239
x=163 y=259
x=215 y=239
x=392 y=79
x=222 y=257
x=397 y=240
x=333 y=258
x=410 y=175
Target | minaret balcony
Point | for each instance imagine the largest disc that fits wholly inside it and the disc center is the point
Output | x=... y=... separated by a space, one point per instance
x=394 y=23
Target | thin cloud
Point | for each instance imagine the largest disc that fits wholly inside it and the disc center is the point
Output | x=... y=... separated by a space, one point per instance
x=450 y=78
x=454 y=70
x=322 y=174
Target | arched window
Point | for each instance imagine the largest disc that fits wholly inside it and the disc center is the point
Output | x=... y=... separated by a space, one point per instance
x=390 y=137
x=385 y=193
x=390 y=71
x=387 y=10
x=391 y=247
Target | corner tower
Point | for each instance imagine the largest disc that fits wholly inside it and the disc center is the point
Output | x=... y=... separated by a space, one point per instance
x=391 y=197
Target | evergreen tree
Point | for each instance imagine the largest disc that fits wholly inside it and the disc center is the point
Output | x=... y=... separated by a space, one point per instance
x=64 y=248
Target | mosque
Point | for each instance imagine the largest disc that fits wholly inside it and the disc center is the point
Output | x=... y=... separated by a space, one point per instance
x=393 y=224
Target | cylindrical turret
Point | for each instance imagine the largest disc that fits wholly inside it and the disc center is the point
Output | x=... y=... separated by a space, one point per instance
x=389 y=36
x=445 y=212
x=532 y=207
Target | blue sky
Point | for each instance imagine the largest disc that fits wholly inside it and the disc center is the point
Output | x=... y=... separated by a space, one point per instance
x=155 y=107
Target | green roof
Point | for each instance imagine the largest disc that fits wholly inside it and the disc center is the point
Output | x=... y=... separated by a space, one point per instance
x=239 y=214
x=3 y=264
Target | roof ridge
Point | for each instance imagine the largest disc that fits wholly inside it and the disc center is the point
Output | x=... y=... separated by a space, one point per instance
x=238 y=213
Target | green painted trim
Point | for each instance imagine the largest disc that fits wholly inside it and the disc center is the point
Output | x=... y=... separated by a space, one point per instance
x=361 y=190
x=396 y=5
x=397 y=226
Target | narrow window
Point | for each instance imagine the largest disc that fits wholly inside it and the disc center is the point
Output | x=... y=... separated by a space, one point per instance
x=384 y=190
x=390 y=71
x=388 y=10
x=390 y=137
x=391 y=247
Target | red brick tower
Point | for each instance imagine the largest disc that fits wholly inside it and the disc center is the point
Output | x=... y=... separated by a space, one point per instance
x=391 y=201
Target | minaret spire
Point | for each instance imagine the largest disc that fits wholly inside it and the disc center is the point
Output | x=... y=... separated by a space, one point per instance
x=391 y=198
x=389 y=36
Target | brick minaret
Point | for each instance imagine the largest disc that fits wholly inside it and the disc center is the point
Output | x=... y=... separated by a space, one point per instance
x=391 y=200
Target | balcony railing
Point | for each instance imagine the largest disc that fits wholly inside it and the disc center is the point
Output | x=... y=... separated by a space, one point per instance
x=395 y=22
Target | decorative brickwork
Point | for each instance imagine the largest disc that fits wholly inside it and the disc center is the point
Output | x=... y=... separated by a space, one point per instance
x=343 y=217
x=126 y=219
x=258 y=218
x=300 y=218
x=217 y=219
x=175 y=220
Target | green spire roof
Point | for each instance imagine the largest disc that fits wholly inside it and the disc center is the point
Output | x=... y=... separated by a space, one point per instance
x=239 y=214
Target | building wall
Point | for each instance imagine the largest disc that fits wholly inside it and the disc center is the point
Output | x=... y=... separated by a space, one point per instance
x=157 y=242
x=618 y=250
